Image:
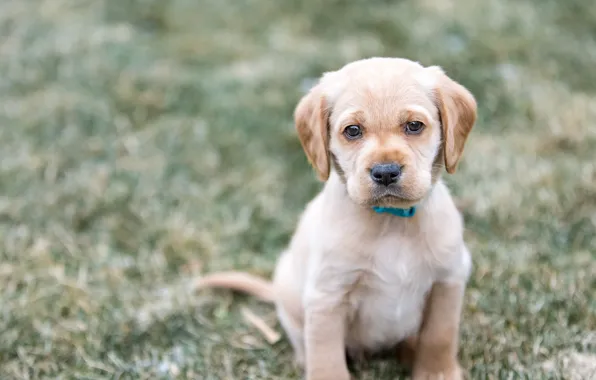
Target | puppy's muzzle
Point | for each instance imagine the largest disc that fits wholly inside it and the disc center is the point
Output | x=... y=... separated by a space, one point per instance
x=385 y=174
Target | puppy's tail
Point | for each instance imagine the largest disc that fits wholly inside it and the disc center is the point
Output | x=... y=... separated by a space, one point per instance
x=239 y=281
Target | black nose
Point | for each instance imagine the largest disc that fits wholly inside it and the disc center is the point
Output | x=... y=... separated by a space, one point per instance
x=385 y=174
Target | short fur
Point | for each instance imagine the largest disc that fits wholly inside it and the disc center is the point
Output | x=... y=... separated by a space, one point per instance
x=366 y=282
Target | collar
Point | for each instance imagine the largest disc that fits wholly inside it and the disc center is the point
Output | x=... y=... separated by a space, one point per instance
x=402 y=212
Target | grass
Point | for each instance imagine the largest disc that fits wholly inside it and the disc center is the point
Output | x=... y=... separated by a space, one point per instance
x=143 y=143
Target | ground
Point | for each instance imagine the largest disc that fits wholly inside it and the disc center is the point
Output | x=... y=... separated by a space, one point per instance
x=143 y=143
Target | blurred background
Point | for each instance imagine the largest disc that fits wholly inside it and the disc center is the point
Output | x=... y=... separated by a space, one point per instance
x=145 y=142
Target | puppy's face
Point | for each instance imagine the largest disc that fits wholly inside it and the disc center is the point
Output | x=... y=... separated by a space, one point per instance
x=385 y=133
x=387 y=126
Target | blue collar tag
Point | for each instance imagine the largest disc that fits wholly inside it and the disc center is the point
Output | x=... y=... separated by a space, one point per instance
x=402 y=212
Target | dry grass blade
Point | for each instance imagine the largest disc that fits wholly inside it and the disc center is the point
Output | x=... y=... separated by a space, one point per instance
x=270 y=335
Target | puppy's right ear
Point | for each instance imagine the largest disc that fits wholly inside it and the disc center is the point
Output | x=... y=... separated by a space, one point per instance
x=311 y=118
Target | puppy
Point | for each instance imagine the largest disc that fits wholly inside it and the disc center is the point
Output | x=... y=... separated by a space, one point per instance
x=378 y=257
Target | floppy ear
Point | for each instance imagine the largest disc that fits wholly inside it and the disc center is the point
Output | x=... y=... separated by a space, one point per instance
x=457 y=107
x=311 y=117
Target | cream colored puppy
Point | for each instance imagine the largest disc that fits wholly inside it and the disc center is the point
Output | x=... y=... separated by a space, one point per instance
x=378 y=257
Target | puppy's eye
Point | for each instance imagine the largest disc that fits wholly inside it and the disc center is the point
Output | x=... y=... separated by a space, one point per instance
x=353 y=132
x=414 y=127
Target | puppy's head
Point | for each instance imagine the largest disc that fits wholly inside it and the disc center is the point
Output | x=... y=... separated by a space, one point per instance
x=387 y=126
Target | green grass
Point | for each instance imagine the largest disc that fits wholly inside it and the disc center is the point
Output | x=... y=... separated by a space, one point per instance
x=143 y=143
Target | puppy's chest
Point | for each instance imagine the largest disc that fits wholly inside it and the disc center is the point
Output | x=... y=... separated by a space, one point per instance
x=387 y=299
x=389 y=266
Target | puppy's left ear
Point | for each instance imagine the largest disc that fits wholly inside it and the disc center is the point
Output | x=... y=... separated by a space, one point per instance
x=457 y=107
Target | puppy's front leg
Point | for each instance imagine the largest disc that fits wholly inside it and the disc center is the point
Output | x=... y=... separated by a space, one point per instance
x=436 y=353
x=325 y=341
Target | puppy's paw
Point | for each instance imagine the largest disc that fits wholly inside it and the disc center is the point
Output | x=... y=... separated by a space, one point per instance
x=454 y=372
